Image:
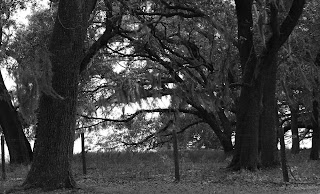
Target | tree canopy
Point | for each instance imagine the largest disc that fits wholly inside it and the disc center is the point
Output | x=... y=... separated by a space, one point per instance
x=220 y=68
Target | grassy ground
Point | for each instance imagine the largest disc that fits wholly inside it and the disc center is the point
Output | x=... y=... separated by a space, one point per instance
x=201 y=172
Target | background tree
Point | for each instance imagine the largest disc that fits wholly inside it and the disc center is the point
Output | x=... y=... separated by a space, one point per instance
x=181 y=60
x=314 y=154
x=297 y=74
x=19 y=148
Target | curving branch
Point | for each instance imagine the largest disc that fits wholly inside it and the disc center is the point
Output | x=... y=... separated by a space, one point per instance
x=186 y=127
x=168 y=15
x=132 y=116
x=179 y=6
x=290 y=21
x=152 y=135
x=110 y=32
x=89 y=126
x=169 y=124
x=104 y=39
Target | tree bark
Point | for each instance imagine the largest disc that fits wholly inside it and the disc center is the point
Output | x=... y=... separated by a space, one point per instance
x=246 y=147
x=56 y=118
x=268 y=125
x=294 y=129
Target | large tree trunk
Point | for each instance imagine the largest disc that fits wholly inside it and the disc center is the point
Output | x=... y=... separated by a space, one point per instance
x=246 y=147
x=255 y=74
x=56 y=117
x=268 y=123
x=294 y=109
x=248 y=109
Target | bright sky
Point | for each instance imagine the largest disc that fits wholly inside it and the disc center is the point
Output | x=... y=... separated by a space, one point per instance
x=22 y=15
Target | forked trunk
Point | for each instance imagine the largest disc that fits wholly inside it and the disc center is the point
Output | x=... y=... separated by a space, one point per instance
x=256 y=72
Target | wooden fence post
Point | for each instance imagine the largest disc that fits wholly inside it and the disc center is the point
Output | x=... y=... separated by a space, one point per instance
x=283 y=157
x=175 y=155
x=3 y=160
x=83 y=155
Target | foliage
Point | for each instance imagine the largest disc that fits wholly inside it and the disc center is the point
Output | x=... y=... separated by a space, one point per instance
x=297 y=71
x=32 y=70
x=162 y=51
x=184 y=46
x=7 y=10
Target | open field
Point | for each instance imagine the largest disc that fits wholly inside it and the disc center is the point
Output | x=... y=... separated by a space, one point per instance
x=201 y=172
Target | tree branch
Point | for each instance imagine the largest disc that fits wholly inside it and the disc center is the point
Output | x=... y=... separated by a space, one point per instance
x=89 y=126
x=170 y=122
x=291 y=21
x=132 y=116
x=186 y=127
x=108 y=34
x=168 y=15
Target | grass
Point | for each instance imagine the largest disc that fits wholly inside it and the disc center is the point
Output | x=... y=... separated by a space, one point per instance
x=201 y=172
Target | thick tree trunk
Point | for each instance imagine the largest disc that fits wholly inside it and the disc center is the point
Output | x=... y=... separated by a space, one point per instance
x=19 y=147
x=255 y=75
x=268 y=124
x=56 y=117
x=246 y=148
x=314 y=154
x=248 y=110
x=294 y=129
